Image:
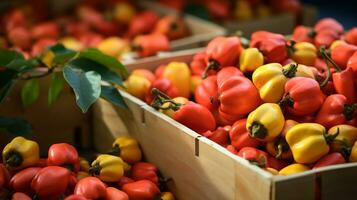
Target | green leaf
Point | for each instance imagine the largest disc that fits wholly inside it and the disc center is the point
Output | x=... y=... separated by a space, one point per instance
x=108 y=61
x=16 y=126
x=7 y=81
x=30 y=92
x=112 y=94
x=22 y=66
x=56 y=87
x=86 y=86
x=62 y=54
x=90 y=65
x=7 y=56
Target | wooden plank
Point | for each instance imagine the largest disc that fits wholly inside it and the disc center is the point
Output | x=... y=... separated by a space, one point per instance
x=338 y=181
x=63 y=122
x=282 y=23
x=309 y=15
x=219 y=170
x=240 y=179
x=294 y=187
x=165 y=57
x=107 y=125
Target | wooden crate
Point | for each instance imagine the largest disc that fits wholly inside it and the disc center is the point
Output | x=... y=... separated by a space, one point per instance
x=200 y=168
x=63 y=122
x=283 y=23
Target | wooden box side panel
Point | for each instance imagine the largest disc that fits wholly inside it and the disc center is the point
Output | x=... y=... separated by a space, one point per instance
x=234 y=178
x=173 y=150
x=309 y=15
x=63 y=122
x=151 y=63
x=166 y=145
x=338 y=182
x=107 y=125
x=294 y=187
x=283 y=23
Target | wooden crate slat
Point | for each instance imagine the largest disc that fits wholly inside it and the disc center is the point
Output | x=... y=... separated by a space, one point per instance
x=294 y=187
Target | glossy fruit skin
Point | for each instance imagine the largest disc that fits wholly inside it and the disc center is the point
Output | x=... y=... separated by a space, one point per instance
x=113 y=46
x=238 y=97
x=141 y=190
x=191 y=111
x=127 y=148
x=20 y=153
x=351 y=36
x=266 y=122
x=341 y=53
x=108 y=168
x=20 y=196
x=145 y=171
x=344 y=140
x=335 y=111
x=45 y=30
x=272 y=45
x=142 y=23
x=179 y=75
x=304 y=53
x=115 y=194
x=344 y=83
x=270 y=79
x=149 y=45
x=329 y=24
x=250 y=59
x=303 y=34
x=145 y=73
x=330 y=159
x=307 y=142
x=51 y=181
x=303 y=96
x=352 y=63
x=254 y=156
x=63 y=154
x=20 y=37
x=174 y=27
x=220 y=135
x=279 y=148
x=198 y=64
x=293 y=169
x=206 y=93
x=240 y=137
x=21 y=181
x=124 y=180
x=4 y=176
x=75 y=197
x=41 y=45
x=223 y=51
x=137 y=86
x=165 y=86
x=167 y=196
x=91 y=188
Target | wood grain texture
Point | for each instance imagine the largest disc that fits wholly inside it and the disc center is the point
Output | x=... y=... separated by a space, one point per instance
x=294 y=187
x=63 y=122
x=339 y=182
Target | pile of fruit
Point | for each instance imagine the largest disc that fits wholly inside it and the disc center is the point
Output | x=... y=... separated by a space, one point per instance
x=116 y=29
x=118 y=175
x=241 y=10
x=286 y=105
